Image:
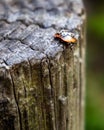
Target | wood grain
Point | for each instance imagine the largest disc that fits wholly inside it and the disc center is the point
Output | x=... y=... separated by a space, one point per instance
x=41 y=79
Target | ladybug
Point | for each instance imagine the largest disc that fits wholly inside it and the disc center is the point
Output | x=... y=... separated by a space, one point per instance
x=66 y=36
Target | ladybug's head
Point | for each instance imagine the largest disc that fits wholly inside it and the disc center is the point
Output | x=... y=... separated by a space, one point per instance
x=57 y=35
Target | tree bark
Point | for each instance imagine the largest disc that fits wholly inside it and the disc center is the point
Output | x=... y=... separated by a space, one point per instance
x=42 y=81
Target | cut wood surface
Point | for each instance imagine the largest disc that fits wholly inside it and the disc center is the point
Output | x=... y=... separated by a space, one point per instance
x=42 y=81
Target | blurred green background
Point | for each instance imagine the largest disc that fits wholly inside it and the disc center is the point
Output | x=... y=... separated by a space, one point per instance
x=95 y=65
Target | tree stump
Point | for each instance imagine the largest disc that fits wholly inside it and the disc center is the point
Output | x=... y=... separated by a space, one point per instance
x=41 y=79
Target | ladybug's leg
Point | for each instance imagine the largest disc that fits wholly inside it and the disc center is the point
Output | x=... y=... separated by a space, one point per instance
x=71 y=45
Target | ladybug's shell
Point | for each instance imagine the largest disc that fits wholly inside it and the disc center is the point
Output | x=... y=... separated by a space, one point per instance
x=66 y=38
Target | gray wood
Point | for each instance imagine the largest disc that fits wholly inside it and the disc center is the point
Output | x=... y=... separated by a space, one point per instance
x=42 y=84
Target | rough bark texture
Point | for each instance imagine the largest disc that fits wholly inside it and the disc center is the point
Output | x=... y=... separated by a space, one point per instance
x=41 y=80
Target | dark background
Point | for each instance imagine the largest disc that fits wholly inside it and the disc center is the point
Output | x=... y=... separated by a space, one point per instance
x=95 y=65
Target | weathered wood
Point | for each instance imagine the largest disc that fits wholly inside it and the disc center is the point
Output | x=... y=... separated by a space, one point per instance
x=41 y=80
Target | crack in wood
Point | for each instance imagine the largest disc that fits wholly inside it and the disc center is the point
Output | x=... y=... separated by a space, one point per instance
x=52 y=93
x=16 y=101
